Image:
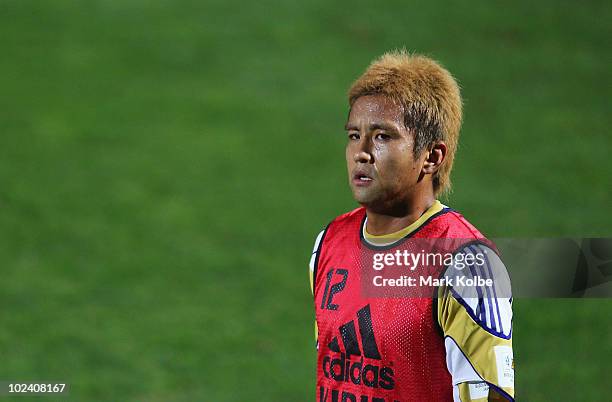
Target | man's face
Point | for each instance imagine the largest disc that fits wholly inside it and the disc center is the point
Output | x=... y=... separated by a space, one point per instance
x=382 y=170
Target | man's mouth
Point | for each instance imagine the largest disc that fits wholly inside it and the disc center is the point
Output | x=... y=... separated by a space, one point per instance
x=361 y=179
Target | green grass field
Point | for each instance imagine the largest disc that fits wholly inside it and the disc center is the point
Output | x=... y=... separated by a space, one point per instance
x=167 y=165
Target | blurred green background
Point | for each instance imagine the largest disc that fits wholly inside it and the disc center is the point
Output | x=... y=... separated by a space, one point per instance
x=166 y=166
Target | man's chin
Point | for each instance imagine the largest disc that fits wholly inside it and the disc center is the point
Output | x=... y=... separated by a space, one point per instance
x=364 y=196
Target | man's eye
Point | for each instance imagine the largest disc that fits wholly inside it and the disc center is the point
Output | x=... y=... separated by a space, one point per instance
x=353 y=136
x=383 y=137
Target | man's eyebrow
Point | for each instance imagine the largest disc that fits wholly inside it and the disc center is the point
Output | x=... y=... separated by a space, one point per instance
x=374 y=126
x=381 y=126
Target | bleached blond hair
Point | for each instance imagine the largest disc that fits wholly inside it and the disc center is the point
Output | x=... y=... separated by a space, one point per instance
x=430 y=99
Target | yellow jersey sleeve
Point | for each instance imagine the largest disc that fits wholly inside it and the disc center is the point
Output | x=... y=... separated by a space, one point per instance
x=477 y=328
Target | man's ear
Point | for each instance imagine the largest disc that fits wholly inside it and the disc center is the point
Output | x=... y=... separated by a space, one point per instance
x=434 y=158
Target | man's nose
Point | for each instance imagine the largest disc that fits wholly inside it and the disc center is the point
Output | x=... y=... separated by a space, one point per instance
x=364 y=154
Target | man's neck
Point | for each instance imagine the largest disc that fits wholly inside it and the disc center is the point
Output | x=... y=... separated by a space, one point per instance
x=386 y=222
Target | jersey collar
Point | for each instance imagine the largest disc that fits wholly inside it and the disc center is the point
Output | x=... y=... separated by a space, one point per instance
x=388 y=239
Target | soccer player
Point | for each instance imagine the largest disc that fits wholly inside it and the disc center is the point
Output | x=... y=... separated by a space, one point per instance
x=402 y=133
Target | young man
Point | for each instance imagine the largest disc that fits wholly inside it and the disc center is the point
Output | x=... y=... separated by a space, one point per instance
x=403 y=129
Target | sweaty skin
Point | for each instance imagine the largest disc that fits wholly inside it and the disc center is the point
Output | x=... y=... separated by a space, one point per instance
x=395 y=187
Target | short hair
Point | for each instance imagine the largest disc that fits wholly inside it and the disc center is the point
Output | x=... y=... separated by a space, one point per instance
x=429 y=96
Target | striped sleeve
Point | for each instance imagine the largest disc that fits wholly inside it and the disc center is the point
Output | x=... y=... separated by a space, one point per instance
x=475 y=315
x=313 y=259
x=311 y=273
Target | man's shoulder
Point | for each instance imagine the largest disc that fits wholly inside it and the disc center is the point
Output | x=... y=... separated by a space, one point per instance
x=452 y=224
x=345 y=224
x=356 y=214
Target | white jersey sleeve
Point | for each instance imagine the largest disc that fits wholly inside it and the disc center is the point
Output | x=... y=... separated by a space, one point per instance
x=313 y=259
x=311 y=273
